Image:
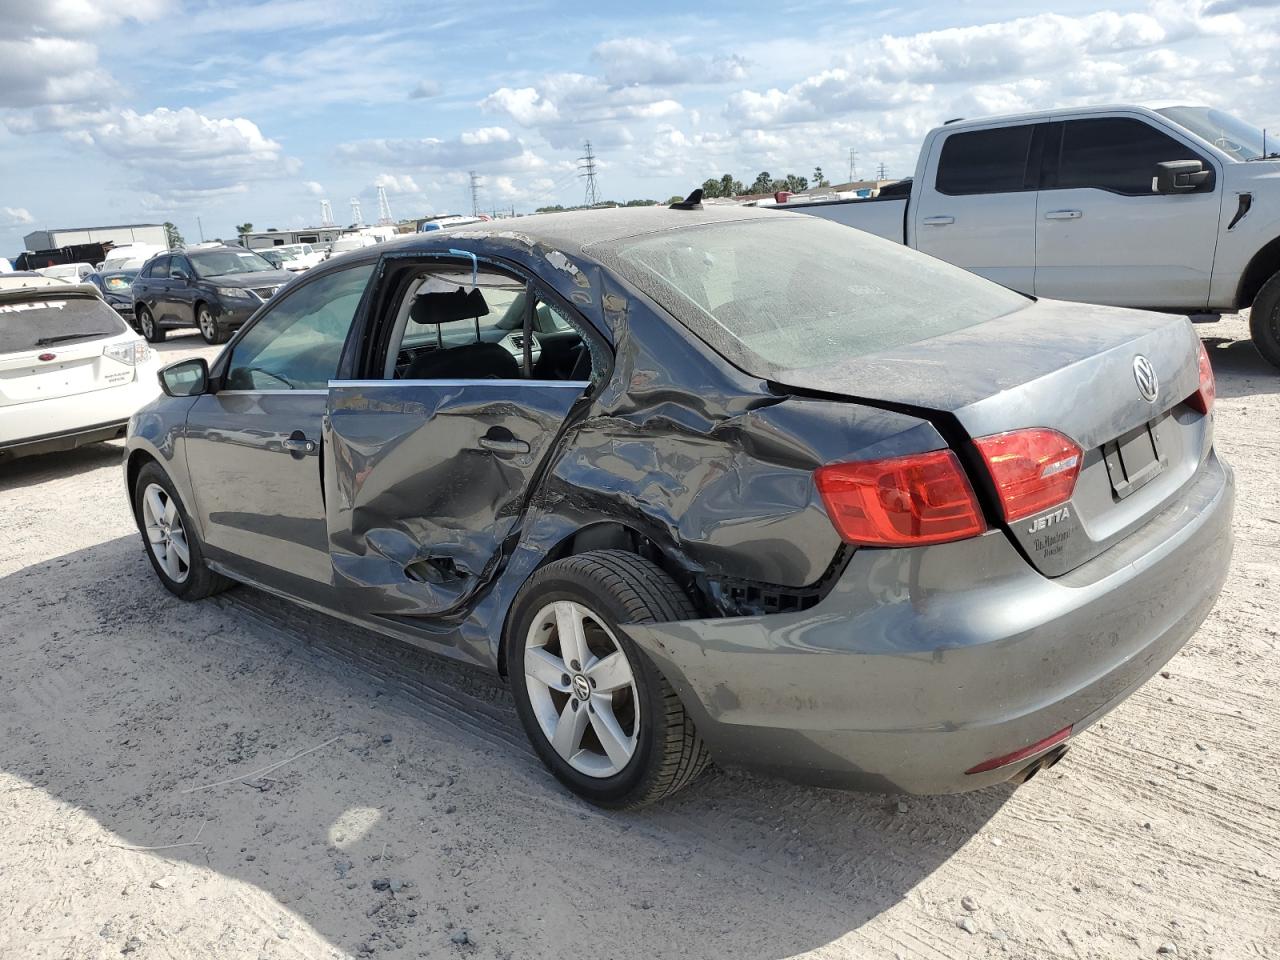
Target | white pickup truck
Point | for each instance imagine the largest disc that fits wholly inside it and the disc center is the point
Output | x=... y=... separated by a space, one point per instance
x=1172 y=209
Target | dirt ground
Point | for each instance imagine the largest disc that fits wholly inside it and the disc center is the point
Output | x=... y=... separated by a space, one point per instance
x=386 y=803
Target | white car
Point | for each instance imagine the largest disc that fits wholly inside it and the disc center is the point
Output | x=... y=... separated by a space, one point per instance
x=352 y=241
x=70 y=272
x=71 y=370
x=130 y=256
x=298 y=257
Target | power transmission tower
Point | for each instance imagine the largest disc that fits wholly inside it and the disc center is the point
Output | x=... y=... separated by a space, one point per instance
x=356 y=217
x=853 y=167
x=384 y=208
x=587 y=166
x=326 y=214
x=880 y=172
x=475 y=193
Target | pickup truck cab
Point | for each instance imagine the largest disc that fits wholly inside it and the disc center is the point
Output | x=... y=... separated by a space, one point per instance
x=1174 y=209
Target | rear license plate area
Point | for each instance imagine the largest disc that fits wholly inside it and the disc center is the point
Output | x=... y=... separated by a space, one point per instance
x=1133 y=460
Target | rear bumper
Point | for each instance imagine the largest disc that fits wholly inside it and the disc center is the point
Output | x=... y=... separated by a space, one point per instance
x=921 y=664
x=44 y=426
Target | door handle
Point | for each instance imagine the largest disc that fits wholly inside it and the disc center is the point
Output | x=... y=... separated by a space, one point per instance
x=1064 y=215
x=503 y=446
x=299 y=444
x=938 y=221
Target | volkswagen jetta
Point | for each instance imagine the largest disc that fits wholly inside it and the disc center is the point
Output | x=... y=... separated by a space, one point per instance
x=711 y=484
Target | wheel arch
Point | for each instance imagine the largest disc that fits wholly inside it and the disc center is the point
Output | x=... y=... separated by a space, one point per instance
x=138 y=459
x=1262 y=267
x=606 y=535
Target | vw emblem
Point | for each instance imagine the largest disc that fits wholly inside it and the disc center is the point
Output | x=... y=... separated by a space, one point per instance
x=582 y=687
x=1145 y=374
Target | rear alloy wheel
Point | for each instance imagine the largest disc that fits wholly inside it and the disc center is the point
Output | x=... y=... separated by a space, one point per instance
x=153 y=332
x=595 y=707
x=209 y=328
x=172 y=544
x=1264 y=321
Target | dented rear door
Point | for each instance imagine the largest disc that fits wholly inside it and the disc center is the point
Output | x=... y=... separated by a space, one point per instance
x=425 y=480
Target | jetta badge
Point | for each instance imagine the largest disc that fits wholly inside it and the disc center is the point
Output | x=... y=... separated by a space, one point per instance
x=1145 y=374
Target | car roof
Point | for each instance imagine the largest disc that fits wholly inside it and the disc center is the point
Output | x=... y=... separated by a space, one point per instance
x=1051 y=113
x=575 y=230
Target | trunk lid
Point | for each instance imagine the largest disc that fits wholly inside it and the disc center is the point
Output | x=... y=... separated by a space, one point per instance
x=1068 y=367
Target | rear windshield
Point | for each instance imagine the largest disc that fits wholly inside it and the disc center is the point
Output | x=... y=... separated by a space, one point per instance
x=24 y=324
x=797 y=291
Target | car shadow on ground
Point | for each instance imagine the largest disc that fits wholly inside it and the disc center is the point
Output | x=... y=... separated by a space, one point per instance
x=422 y=779
x=1239 y=369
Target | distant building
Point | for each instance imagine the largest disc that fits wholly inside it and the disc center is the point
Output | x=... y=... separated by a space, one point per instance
x=117 y=236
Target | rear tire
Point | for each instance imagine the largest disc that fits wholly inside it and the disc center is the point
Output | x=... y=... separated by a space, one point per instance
x=653 y=749
x=167 y=532
x=152 y=331
x=1264 y=321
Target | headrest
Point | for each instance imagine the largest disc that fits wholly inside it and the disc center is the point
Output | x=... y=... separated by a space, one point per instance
x=460 y=304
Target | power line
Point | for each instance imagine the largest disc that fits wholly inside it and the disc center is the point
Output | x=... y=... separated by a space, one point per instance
x=356 y=216
x=587 y=168
x=475 y=193
x=326 y=214
x=880 y=172
x=853 y=167
x=384 y=208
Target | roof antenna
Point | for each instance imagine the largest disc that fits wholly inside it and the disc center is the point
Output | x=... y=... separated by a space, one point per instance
x=692 y=202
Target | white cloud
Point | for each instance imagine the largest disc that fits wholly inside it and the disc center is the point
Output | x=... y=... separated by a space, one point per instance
x=396 y=183
x=49 y=70
x=424 y=89
x=78 y=16
x=633 y=60
x=314 y=188
x=472 y=148
x=525 y=106
x=15 y=217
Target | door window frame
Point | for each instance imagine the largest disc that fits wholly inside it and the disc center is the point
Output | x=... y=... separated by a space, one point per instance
x=1031 y=164
x=364 y=357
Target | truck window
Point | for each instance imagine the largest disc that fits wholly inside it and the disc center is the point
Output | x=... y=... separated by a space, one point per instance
x=1115 y=154
x=985 y=161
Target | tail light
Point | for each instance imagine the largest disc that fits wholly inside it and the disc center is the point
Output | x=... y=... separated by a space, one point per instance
x=903 y=501
x=132 y=352
x=1029 y=751
x=1032 y=469
x=1207 y=392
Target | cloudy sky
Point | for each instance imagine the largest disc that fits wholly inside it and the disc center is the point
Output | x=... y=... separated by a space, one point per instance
x=119 y=111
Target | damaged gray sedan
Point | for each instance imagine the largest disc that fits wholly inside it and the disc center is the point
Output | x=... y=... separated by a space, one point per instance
x=711 y=485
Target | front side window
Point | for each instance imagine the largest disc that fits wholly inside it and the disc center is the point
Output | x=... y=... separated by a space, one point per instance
x=1116 y=154
x=985 y=161
x=297 y=343
x=179 y=268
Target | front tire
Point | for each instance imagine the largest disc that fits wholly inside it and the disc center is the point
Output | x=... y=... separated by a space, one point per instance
x=170 y=539
x=209 y=327
x=152 y=331
x=1264 y=321
x=595 y=708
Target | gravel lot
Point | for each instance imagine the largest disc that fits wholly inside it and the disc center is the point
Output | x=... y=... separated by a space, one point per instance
x=421 y=825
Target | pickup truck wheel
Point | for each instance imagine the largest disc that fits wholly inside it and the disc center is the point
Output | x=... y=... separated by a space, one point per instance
x=596 y=709
x=1264 y=321
x=170 y=538
x=147 y=324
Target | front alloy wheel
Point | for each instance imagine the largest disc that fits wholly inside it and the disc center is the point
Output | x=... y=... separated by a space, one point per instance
x=166 y=537
x=209 y=328
x=581 y=688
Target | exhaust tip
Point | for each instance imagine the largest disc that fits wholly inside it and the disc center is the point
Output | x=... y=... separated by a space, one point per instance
x=1044 y=762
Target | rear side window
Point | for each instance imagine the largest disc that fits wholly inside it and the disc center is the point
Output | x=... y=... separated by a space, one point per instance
x=1115 y=154
x=792 y=291
x=985 y=161
x=47 y=321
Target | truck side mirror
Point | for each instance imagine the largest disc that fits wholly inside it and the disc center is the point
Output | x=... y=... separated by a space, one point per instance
x=1180 y=176
x=186 y=378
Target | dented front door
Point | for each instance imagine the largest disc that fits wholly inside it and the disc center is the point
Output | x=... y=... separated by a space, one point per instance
x=426 y=479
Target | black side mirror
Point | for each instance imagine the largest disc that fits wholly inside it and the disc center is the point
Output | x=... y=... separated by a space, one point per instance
x=1180 y=176
x=186 y=378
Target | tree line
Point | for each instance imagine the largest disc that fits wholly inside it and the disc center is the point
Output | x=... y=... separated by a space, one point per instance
x=730 y=186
